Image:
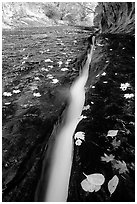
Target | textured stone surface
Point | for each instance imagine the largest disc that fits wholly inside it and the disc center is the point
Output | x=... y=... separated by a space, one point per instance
x=28 y=120
x=36 y=14
x=116 y=17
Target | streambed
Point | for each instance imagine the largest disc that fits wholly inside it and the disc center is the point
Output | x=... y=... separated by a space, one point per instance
x=32 y=82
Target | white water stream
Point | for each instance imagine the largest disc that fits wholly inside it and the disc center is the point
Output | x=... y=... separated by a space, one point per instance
x=53 y=186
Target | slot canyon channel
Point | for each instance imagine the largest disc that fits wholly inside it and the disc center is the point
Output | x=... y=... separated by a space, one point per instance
x=68 y=110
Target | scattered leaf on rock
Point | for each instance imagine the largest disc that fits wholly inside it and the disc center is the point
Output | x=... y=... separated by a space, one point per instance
x=120 y=166
x=96 y=179
x=16 y=91
x=48 y=60
x=50 y=76
x=107 y=158
x=129 y=95
x=80 y=135
x=116 y=143
x=86 y=107
x=124 y=86
x=112 y=184
x=36 y=94
x=78 y=142
x=54 y=81
x=82 y=117
x=7 y=94
x=103 y=74
x=112 y=133
x=64 y=69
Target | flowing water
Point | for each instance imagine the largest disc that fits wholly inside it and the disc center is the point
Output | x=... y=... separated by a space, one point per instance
x=60 y=151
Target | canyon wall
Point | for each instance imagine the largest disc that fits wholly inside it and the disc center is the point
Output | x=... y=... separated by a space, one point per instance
x=115 y=17
x=38 y=14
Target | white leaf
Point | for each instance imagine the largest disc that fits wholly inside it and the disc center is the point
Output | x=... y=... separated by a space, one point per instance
x=44 y=69
x=112 y=133
x=50 y=66
x=7 y=103
x=16 y=91
x=36 y=94
x=54 y=81
x=129 y=95
x=78 y=142
x=96 y=179
x=81 y=117
x=48 y=60
x=50 y=76
x=107 y=158
x=112 y=184
x=7 y=94
x=64 y=69
x=86 y=107
x=124 y=86
x=60 y=63
x=103 y=74
x=80 y=135
x=37 y=78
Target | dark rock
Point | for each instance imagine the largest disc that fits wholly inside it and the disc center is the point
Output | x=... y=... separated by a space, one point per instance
x=116 y=17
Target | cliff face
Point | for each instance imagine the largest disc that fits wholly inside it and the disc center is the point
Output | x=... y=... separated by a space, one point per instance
x=38 y=14
x=118 y=17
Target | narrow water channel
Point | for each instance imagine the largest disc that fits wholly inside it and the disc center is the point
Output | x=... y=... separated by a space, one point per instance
x=53 y=186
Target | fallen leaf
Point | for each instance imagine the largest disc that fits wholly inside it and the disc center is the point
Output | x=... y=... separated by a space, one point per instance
x=112 y=184
x=7 y=103
x=96 y=179
x=7 y=94
x=129 y=95
x=64 y=69
x=36 y=94
x=80 y=135
x=124 y=86
x=60 y=63
x=50 y=76
x=103 y=74
x=37 y=78
x=48 y=60
x=86 y=107
x=116 y=143
x=54 y=81
x=120 y=166
x=81 y=117
x=50 y=66
x=78 y=142
x=16 y=91
x=112 y=133
x=107 y=158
